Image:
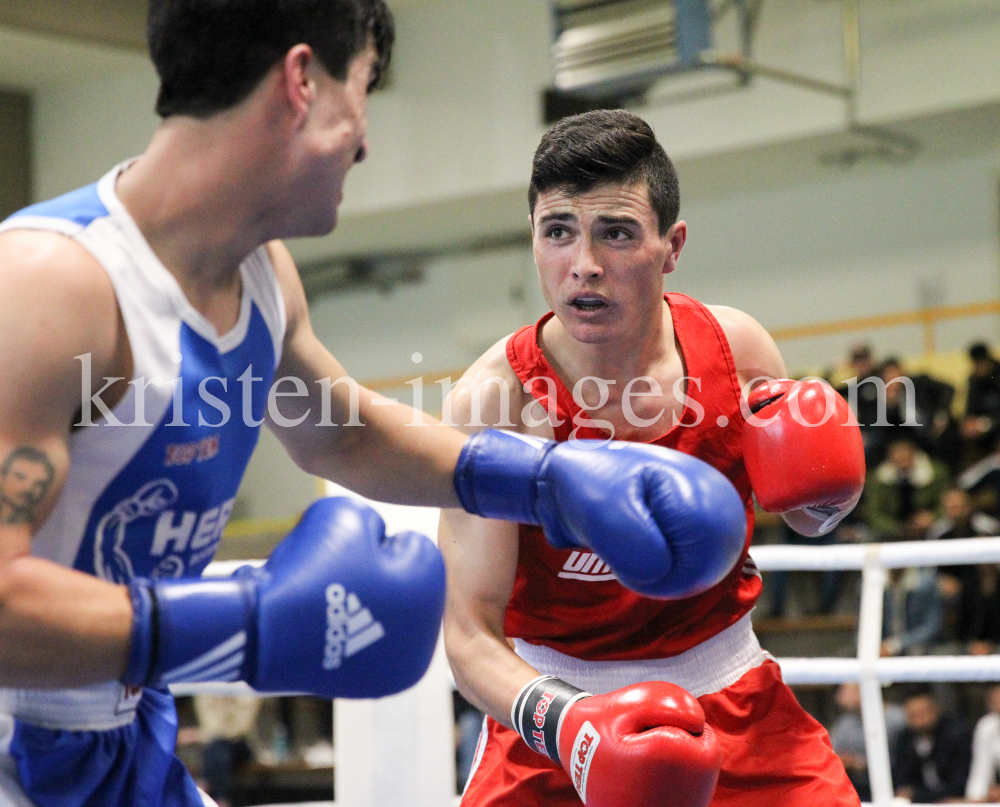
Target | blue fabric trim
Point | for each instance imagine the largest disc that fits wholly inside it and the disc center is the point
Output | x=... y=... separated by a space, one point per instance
x=81 y=206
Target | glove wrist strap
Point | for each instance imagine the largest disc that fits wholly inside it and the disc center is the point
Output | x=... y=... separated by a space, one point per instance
x=191 y=630
x=538 y=711
x=145 y=628
x=497 y=472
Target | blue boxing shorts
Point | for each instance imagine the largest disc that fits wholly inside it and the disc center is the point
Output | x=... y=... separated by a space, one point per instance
x=100 y=746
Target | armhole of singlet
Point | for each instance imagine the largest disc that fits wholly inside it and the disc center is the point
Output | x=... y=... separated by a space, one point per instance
x=720 y=334
x=266 y=291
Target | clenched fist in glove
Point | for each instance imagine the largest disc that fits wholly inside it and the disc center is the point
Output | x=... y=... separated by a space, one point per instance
x=669 y=524
x=646 y=744
x=339 y=610
x=803 y=453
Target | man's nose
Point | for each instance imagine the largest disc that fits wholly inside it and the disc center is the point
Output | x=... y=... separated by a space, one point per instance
x=362 y=151
x=586 y=266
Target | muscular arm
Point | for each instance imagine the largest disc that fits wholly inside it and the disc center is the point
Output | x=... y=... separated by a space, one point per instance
x=58 y=627
x=396 y=455
x=755 y=354
x=481 y=558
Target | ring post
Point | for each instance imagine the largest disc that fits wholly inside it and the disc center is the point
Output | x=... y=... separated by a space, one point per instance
x=869 y=650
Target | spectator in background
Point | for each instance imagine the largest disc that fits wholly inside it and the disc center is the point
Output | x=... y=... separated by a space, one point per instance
x=972 y=606
x=851 y=530
x=981 y=425
x=982 y=784
x=982 y=480
x=847 y=735
x=865 y=398
x=903 y=493
x=226 y=724
x=912 y=611
x=931 y=756
x=925 y=412
x=860 y=364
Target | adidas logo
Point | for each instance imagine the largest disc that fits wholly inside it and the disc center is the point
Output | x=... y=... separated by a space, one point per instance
x=350 y=627
x=586 y=566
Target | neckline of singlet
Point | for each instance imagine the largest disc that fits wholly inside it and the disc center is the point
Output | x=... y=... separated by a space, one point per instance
x=165 y=279
x=542 y=366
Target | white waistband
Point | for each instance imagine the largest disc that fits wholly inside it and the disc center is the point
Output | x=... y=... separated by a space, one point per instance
x=711 y=666
x=96 y=708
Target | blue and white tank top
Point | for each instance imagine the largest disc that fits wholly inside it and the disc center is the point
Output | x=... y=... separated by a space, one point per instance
x=151 y=487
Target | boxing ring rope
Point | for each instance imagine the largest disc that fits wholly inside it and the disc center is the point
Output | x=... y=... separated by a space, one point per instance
x=868 y=669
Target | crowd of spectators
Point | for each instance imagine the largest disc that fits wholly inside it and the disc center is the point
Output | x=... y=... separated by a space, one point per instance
x=933 y=457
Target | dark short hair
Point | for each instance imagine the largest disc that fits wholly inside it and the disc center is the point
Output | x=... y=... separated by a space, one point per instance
x=861 y=352
x=919 y=691
x=211 y=54
x=604 y=147
x=979 y=351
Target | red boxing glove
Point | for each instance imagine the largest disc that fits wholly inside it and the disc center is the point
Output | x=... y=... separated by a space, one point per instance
x=803 y=451
x=646 y=744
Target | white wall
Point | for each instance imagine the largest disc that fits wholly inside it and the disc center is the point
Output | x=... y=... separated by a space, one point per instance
x=464 y=115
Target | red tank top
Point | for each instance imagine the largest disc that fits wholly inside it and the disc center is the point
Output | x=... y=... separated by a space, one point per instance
x=568 y=599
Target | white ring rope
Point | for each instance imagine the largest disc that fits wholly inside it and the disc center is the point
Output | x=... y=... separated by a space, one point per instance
x=868 y=669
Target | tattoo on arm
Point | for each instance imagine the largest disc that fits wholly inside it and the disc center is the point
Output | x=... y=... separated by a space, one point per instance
x=26 y=475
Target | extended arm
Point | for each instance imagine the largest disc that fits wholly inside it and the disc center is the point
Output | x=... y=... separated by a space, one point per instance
x=391 y=453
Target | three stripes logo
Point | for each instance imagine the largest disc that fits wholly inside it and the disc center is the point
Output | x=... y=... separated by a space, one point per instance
x=586 y=566
x=350 y=627
x=222 y=663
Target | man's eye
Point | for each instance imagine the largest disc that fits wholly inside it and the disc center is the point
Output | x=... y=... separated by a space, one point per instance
x=557 y=232
x=617 y=235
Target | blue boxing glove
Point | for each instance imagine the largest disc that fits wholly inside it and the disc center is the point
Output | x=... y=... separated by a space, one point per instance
x=668 y=524
x=338 y=610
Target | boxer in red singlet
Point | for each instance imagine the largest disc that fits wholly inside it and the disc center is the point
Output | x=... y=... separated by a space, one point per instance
x=618 y=356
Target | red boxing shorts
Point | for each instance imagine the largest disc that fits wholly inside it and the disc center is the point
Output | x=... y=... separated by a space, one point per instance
x=774 y=754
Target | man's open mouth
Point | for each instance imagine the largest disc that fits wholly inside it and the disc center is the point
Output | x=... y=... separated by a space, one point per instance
x=585 y=303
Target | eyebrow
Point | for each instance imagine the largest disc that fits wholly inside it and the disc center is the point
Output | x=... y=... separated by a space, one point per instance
x=601 y=219
x=557 y=217
x=619 y=220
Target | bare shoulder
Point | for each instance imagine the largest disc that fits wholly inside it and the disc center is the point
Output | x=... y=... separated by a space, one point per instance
x=58 y=302
x=488 y=395
x=754 y=352
x=58 y=306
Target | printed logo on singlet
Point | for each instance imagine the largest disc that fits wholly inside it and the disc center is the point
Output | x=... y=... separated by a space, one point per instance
x=185 y=453
x=179 y=540
x=586 y=566
x=584 y=748
x=350 y=627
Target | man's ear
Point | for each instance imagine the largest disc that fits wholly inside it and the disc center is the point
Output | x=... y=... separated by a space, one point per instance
x=677 y=236
x=300 y=90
